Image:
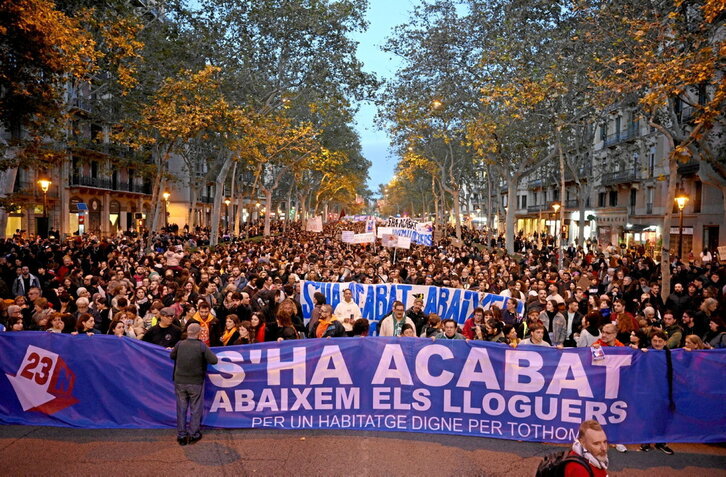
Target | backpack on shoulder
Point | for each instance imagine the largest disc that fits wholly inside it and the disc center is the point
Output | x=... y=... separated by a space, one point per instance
x=553 y=465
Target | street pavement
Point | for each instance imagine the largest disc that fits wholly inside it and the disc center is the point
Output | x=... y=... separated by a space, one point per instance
x=26 y=450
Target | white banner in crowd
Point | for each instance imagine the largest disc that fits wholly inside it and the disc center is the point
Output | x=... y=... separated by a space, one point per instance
x=390 y=240
x=419 y=232
x=346 y=236
x=364 y=238
x=315 y=224
x=375 y=301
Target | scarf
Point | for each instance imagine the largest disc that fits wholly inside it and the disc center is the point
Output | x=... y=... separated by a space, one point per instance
x=397 y=325
x=594 y=461
x=227 y=335
x=551 y=315
x=204 y=333
x=322 y=327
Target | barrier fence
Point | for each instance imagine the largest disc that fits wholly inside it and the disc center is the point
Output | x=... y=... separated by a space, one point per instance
x=395 y=384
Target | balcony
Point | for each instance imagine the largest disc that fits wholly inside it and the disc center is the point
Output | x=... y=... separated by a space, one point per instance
x=688 y=168
x=30 y=188
x=583 y=172
x=77 y=102
x=685 y=113
x=619 y=177
x=572 y=204
x=108 y=184
x=621 y=136
x=538 y=208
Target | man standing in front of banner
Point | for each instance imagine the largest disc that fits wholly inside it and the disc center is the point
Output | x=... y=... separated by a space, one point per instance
x=391 y=325
x=347 y=310
x=191 y=357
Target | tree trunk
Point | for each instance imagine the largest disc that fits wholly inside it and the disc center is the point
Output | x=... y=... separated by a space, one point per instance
x=268 y=209
x=436 y=202
x=193 y=194
x=455 y=195
x=238 y=215
x=218 y=195
x=665 y=260
x=509 y=234
x=490 y=216
x=7 y=183
x=156 y=197
x=558 y=242
x=581 y=193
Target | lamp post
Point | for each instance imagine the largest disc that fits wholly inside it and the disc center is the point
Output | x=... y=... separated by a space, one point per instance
x=42 y=223
x=556 y=207
x=226 y=214
x=681 y=201
x=44 y=186
x=166 y=196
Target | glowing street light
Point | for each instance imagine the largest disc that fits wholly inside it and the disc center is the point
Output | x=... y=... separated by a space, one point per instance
x=226 y=213
x=44 y=186
x=681 y=201
x=166 y=194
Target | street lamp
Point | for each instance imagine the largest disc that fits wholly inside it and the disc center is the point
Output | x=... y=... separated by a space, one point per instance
x=556 y=207
x=166 y=196
x=44 y=186
x=681 y=202
x=436 y=104
x=226 y=215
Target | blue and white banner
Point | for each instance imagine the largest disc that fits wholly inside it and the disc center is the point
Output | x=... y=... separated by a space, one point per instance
x=419 y=232
x=395 y=384
x=376 y=301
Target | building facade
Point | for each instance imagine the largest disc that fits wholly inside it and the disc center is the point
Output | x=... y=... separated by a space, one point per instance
x=627 y=185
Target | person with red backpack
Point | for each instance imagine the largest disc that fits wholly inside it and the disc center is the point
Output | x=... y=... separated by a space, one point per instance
x=588 y=456
x=592 y=445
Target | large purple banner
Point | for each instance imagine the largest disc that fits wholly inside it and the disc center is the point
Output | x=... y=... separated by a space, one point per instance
x=396 y=384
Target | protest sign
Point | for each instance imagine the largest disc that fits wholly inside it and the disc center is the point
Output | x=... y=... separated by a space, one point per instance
x=392 y=384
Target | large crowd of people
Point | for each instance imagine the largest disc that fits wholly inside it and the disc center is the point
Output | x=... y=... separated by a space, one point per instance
x=246 y=290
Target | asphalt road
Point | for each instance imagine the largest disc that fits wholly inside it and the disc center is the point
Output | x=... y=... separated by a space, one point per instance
x=26 y=450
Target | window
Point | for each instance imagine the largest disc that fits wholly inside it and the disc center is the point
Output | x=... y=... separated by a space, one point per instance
x=524 y=202
x=601 y=197
x=651 y=161
x=603 y=131
x=702 y=94
x=96 y=133
x=613 y=198
x=698 y=192
x=633 y=197
x=649 y=193
x=94 y=169
x=617 y=127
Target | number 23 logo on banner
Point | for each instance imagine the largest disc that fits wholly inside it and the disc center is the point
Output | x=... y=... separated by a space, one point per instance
x=43 y=383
